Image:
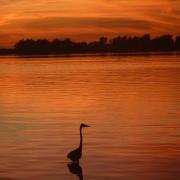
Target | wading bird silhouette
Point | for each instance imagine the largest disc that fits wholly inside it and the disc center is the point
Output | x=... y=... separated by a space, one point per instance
x=76 y=154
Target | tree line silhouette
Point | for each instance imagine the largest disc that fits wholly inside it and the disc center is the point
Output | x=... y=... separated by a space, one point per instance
x=120 y=44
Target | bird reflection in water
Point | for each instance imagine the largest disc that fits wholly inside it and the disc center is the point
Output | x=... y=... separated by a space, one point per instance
x=76 y=169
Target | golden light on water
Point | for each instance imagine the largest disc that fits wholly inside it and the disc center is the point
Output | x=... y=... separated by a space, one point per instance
x=131 y=103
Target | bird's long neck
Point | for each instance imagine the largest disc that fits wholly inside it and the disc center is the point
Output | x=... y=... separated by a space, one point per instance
x=81 y=139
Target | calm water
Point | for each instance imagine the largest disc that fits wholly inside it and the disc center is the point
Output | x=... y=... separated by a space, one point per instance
x=132 y=104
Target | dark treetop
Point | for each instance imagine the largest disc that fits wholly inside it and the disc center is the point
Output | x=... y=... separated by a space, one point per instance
x=120 y=44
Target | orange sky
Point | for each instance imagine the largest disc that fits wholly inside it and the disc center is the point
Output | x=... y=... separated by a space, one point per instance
x=86 y=19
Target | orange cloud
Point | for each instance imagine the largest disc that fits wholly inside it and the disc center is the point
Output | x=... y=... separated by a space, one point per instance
x=83 y=19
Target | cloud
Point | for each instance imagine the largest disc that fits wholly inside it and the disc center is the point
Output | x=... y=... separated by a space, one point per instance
x=75 y=18
x=55 y=22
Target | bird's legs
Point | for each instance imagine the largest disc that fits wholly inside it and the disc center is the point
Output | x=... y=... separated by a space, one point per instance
x=76 y=161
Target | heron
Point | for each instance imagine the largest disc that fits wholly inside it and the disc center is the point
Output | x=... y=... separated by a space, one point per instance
x=76 y=154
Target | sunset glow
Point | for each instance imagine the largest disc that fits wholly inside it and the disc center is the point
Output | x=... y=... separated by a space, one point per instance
x=86 y=20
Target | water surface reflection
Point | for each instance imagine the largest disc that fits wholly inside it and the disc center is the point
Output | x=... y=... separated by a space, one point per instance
x=132 y=103
x=76 y=169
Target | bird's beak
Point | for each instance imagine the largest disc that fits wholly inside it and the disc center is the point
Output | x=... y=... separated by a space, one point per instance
x=87 y=125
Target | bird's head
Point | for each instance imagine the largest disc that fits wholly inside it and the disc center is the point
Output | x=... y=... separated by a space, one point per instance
x=84 y=125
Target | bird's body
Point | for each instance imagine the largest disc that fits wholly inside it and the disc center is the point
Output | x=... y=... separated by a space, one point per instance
x=76 y=154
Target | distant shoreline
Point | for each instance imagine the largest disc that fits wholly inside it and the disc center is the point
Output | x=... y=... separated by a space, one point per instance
x=120 y=45
x=89 y=54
